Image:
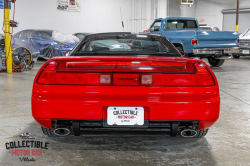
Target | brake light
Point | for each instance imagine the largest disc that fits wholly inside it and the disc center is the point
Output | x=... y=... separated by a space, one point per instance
x=202 y=77
x=195 y=74
x=194 y=41
x=50 y=76
x=47 y=76
x=127 y=66
x=147 y=79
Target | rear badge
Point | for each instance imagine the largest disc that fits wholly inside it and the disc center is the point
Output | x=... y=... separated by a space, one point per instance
x=126 y=79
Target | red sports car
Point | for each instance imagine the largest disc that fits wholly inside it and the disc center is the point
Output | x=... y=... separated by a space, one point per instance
x=124 y=81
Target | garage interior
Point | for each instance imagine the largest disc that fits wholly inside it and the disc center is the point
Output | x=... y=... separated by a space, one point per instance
x=227 y=142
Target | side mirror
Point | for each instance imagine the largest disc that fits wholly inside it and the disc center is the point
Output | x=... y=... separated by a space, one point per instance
x=68 y=52
x=151 y=29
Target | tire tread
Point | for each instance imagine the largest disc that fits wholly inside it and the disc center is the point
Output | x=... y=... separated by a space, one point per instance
x=48 y=132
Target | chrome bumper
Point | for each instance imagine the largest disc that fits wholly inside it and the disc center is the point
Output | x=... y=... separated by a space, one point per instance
x=244 y=51
x=218 y=51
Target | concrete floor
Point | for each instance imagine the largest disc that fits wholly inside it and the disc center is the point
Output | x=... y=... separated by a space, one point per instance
x=227 y=142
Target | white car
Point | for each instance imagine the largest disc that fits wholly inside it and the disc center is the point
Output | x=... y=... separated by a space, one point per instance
x=244 y=44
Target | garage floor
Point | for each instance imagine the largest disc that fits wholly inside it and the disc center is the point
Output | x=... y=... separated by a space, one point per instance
x=227 y=142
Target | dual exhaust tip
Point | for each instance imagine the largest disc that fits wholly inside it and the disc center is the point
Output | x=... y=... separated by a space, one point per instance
x=188 y=133
x=61 y=131
x=64 y=131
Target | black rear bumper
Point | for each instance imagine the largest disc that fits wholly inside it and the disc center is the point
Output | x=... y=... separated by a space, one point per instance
x=171 y=127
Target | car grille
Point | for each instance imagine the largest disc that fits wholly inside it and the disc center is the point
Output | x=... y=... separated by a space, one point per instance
x=245 y=43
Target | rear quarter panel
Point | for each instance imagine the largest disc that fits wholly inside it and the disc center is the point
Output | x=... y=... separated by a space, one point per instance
x=183 y=37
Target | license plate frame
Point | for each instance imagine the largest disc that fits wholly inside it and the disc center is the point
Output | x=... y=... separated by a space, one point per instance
x=125 y=116
x=245 y=51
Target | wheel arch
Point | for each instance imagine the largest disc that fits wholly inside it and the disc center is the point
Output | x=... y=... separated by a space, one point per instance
x=179 y=45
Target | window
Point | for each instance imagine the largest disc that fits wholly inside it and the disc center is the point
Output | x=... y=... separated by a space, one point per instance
x=180 y=24
x=23 y=35
x=124 y=44
x=156 y=25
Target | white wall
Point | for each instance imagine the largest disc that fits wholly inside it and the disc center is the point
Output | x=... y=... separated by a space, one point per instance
x=176 y=10
x=210 y=10
x=95 y=16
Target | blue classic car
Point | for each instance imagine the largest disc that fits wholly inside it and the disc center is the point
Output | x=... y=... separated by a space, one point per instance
x=42 y=41
x=186 y=35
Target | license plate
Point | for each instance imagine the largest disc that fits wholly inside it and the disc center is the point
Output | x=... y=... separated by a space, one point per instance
x=130 y=116
x=245 y=51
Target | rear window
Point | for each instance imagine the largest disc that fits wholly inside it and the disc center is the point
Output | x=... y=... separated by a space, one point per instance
x=124 y=44
x=180 y=24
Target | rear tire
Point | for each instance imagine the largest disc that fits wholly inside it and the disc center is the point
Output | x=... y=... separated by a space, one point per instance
x=236 y=56
x=215 y=62
x=48 y=132
x=201 y=133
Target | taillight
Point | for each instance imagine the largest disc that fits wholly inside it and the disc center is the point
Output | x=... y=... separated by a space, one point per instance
x=47 y=76
x=51 y=76
x=202 y=77
x=191 y=74
x=194 y=41
x=238 y=41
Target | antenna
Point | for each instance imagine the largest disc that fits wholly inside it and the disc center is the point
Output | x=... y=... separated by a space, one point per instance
x=121 y=18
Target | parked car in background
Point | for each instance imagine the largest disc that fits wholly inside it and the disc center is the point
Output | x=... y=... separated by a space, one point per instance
x=81 y=35
x=208 y=28
x=149 y=87
x=244 y=44
x=186 y=35
x=44 y=42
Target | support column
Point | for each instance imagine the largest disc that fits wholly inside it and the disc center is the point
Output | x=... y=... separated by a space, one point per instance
x=7 y=36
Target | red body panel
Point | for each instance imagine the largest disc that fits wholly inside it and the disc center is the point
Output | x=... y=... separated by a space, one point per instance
x=160 y=102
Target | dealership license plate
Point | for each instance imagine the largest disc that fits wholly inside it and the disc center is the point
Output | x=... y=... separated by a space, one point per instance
x=125 y=116
x=245 y=51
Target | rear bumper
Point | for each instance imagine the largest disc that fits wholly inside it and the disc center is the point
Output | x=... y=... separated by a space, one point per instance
x=216 y=51
x=242 y=51
x=91 y=102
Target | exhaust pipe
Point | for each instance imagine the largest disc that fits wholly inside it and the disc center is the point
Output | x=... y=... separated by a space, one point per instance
x=188 y=133
x=62 y=131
